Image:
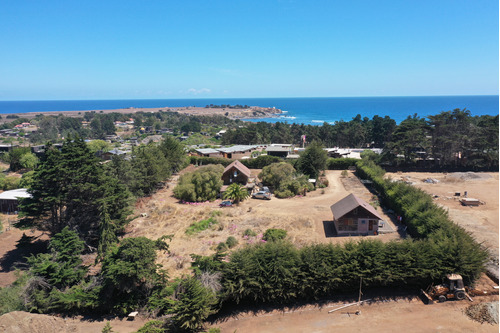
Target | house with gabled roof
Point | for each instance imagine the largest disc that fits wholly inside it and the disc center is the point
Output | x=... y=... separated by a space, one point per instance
x=354 y=216
x=236 y=172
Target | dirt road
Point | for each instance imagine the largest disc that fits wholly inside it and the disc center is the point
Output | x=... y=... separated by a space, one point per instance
x=393 y=316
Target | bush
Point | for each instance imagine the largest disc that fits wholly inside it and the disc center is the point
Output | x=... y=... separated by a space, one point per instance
x=200 y=226
x=344 y=174
x=340 y=163
x=231 y=242
x=273 y=235
x=222 y=247
x=261 y=161
x=201 y=185
x=284 y=179
x=249 y=233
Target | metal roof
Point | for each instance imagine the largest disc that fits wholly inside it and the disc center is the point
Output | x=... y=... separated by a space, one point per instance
x=208 y=151
x=278 y=149
x=14 y=194
x=237 y=148
x=349 y=203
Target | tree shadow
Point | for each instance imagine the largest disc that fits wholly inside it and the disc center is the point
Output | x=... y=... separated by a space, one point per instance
x=17 y=257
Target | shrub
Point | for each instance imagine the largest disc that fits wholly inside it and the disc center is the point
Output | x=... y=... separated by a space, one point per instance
x=222 y=247
x=249 y=233
x=201 y=185
x=344 y=173
x=284 y=179
x=273 y=235
x=340 y=163
x=200 y=226
x=231 y=242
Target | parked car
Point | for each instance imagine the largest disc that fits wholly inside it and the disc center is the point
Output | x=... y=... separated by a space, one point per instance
x=262 y=195
x=226 y=203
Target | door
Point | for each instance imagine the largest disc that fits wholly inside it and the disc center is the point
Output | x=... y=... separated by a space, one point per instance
x=370 y=225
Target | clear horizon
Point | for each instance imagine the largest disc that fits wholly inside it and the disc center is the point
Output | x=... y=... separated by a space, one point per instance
x=115 y=50
x=222 y=98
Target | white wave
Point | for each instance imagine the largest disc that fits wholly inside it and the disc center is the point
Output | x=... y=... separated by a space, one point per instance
x=317 y=121
x=283 y=111
x=288 y=117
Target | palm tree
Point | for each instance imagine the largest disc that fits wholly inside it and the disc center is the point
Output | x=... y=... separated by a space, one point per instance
x=235 y=192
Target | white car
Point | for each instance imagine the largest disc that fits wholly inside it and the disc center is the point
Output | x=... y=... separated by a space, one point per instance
x=262 y=195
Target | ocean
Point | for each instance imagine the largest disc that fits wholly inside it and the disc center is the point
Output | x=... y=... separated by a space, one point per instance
x=297 y=110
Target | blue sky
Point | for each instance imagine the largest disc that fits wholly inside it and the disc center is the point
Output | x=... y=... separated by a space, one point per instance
x=210 y=49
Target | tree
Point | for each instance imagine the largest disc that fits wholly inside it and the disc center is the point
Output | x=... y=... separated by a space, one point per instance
x=98 y=145
x=194 y=304
x=69 y=188
x=130 y=273
x=201 y=185
x=174 y=152
x=62 y=267
x=28 y=161
x=284 y=179
x=313 y=160
x=409 y=137
x=14 y=157
x=236 y=192
x=276 y=173
x=151 y=169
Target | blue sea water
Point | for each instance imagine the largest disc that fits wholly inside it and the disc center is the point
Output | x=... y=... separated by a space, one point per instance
x=298 y=110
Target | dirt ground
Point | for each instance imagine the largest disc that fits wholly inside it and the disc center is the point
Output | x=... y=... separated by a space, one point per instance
x=408 y=315
x=20 y=322
x=306 y=219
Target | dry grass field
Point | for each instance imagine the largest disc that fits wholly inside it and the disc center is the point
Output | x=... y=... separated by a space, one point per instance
x=301 y=217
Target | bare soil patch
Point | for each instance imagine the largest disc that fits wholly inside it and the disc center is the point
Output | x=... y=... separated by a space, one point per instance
x=18 y=321
x=410 y=315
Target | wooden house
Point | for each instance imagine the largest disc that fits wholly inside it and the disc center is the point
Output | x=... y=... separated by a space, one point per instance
x=354 y=216
x=236 y=172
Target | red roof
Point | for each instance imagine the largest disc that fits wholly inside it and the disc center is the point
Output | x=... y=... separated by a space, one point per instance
x=238 y=165
x=349 y=203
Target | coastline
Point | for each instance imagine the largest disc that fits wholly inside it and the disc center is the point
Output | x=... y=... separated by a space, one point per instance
x=253 y=112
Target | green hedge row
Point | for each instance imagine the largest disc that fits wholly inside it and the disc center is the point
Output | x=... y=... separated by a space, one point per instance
x=340 y=163
x=278 y=272
x=426 y=220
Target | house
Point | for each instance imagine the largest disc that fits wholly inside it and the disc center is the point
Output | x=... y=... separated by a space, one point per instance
x=278 y=150
x=238 y=151
x=109 y=154
x=9 y=200
x=354 y=216
x=236 y=172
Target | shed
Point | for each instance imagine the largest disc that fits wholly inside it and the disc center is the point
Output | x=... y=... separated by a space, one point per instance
x=9 y=200
x=354 y=216
x=278 y=151
x=470 y=202
x=236 y=172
